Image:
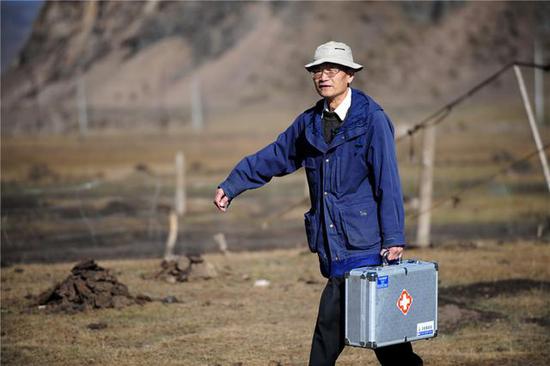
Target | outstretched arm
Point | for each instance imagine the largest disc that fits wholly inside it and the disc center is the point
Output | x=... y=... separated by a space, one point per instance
x=279 y=158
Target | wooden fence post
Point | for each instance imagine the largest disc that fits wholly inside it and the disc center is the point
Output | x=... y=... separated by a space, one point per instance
x=179 y=207
x=172 y=236
x=533 y=124
x=181 y=201
x=219 y=238
x=426 y=188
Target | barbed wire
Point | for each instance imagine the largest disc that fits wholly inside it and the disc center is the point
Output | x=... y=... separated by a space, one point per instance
x=65 y=189
x=35 y=220
x=443 y=112
x=455 y=196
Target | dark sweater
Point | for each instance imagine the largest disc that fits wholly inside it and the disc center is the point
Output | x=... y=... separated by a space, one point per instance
x=331 y=122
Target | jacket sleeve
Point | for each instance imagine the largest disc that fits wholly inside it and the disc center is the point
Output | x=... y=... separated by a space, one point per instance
x=382 y=159
x=279 y=158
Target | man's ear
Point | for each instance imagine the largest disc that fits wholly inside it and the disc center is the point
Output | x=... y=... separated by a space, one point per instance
x=350 y=78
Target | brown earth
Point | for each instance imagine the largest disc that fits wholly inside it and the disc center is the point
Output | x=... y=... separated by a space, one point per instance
x=456 y=303
x=89 y=286
x=492 y=311
x=183 y=269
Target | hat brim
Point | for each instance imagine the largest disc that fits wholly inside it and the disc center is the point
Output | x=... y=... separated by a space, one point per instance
x=351 y=65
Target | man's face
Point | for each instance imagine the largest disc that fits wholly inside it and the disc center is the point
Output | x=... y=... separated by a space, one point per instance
x=331 y=80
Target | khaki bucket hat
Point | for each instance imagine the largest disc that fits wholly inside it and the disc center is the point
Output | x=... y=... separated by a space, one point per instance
x=336 y=53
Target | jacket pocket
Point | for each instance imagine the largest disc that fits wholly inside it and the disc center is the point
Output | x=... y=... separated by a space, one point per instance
x=360 y=225
x=310 y=222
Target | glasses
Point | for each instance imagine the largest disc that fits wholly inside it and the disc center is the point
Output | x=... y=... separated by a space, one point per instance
x=329 y=70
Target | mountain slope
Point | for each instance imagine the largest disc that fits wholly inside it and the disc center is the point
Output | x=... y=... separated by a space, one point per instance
x=137 y=59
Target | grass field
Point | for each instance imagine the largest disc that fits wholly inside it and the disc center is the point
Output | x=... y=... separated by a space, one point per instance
x=228 y=321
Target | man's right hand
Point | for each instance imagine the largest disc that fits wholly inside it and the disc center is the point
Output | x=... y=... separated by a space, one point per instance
x=221 y=200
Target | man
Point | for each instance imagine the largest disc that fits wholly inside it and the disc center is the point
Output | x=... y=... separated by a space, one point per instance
x=346 y=145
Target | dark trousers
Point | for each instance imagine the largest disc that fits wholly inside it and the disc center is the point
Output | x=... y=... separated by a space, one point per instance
x=328 y=338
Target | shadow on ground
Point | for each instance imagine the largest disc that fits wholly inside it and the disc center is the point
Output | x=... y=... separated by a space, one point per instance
x=458 y=304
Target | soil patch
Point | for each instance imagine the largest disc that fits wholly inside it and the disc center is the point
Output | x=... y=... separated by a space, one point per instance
x=117 y=207
x=11 y=203
x=89 y=286
x=183 y=269
x=456 y=302
x=507 y=287
x=452 y=317
x=542 y=321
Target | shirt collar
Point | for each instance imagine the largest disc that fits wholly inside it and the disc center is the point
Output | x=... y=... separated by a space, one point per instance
x=342 y=109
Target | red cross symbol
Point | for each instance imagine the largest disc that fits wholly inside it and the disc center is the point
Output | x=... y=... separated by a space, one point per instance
x=404 y=302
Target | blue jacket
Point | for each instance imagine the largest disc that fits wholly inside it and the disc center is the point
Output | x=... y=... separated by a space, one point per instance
x=354 y=185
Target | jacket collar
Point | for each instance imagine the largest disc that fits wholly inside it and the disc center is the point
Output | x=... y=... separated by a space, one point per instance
x=354 y=125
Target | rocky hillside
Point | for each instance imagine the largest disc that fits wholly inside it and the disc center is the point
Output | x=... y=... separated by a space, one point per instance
x=135 y=62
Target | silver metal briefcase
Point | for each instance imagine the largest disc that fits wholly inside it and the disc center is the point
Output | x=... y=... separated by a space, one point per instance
x=391 y=304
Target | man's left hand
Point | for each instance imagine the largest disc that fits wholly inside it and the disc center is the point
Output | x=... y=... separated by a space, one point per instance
x=394 y=253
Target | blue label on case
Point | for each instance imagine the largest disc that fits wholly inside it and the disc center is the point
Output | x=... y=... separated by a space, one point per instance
x=382 y=282
x=425 y=332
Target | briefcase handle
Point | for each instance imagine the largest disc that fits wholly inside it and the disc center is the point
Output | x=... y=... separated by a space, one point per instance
x=386 y=262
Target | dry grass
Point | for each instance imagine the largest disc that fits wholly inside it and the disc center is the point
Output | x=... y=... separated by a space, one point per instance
x=114 y=154
x=227 y=320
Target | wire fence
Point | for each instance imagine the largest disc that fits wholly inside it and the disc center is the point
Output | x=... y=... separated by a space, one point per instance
x=458 y=194
x=100 y=215
x=494 y=192
x=439 y=115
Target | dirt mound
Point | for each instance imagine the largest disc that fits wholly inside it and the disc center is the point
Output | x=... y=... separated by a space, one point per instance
x=183 y=269
x=89 y=286
x=118 y=207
